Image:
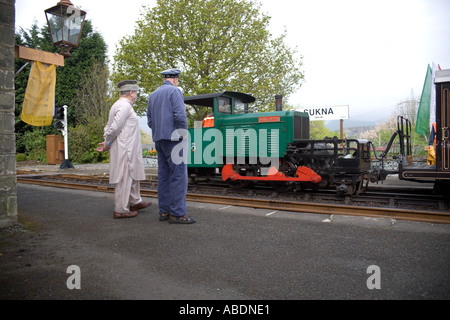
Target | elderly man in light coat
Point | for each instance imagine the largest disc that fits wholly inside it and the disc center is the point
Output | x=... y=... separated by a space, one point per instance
x=123 y=139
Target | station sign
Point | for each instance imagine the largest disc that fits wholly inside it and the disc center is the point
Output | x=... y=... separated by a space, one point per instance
x=327 y=113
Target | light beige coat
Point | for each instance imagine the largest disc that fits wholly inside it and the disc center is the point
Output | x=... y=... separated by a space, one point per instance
x=122 y=130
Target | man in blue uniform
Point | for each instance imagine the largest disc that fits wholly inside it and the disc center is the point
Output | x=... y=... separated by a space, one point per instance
x=166 y=116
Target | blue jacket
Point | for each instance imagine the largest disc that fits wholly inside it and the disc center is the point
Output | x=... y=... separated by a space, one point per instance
x=166 y=112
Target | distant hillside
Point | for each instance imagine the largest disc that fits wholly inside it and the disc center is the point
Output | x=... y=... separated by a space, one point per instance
x=335 y=124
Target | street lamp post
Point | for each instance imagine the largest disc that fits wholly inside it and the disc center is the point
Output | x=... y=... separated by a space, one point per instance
x=65 y=23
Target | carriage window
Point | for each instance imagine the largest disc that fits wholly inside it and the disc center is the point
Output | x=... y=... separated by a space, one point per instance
x=224 y=105
x=239 y=107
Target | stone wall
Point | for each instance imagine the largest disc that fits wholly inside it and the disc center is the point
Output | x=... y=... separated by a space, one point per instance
x=8 y=184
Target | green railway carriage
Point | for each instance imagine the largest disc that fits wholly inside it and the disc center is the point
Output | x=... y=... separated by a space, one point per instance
x=253 y=140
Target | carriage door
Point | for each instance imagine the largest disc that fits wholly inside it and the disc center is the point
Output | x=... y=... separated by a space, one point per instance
x=445 y=123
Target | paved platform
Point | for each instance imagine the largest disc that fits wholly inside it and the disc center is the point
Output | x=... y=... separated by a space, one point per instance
x=230 y=254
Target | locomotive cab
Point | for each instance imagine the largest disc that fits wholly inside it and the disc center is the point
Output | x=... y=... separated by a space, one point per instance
x=205 y=139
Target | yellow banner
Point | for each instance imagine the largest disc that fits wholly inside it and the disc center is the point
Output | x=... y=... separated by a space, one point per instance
x=39 y=102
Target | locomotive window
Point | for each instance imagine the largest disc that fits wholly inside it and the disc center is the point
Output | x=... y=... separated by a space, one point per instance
x=239 y=107
x=224 y=105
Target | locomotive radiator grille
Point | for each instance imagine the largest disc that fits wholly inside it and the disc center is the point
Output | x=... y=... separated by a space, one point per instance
x=301 y=128
x=273 y=141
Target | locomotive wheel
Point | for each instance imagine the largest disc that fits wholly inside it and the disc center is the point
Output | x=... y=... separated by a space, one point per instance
x=238 y=184
x=442 y=187
x=289 y=170
x=347 y=189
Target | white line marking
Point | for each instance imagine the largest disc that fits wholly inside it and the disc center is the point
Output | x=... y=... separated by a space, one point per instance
x=270 y=213
x=225 y=207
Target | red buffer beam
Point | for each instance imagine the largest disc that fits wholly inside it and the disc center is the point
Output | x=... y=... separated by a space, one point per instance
x=303 y=174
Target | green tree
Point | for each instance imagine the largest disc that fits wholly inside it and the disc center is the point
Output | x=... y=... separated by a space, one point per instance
x=93 y=106
x=318 y=131
x=218 y=44
x=92 y=48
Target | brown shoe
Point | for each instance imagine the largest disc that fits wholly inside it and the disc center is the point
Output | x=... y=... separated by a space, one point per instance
x=130 y=214
x=139 y=206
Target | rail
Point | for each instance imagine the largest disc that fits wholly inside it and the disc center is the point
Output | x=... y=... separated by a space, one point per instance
x=294 y=206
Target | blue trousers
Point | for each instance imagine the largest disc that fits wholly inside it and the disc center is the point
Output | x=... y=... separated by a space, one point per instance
x=172 y=178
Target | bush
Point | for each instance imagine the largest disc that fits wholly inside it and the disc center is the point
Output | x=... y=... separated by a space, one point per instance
x=82 y=144
x=21 y=157
x=35 y=146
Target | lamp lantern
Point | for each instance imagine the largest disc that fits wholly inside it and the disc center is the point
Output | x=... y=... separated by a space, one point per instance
x=65 y=23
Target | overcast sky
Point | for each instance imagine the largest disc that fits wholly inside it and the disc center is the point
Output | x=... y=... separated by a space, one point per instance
x=365 y=54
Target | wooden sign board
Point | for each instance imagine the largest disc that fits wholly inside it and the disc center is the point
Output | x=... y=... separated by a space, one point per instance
x=327 y=113
x=39 y=55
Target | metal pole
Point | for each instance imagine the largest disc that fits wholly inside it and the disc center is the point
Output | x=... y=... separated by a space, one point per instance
x=66 y=140
x=66 y=163
x=20 y=70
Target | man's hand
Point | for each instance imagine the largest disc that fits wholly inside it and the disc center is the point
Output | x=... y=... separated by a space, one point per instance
x=103 y=147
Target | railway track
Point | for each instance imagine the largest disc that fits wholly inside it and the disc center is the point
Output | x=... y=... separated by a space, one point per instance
x=266 y=200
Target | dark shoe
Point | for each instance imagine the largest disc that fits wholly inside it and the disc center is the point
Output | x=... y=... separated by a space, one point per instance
x=181 y=220
x=164 y=216
x=139 y=206
x=130 y=214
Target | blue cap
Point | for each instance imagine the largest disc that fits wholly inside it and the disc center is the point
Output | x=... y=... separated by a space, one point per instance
x=171 y=73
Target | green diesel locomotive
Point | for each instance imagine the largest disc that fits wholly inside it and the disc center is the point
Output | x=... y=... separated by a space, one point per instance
x=271 y=147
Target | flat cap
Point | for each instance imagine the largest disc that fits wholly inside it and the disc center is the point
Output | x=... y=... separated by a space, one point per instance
x=171 y=73
x=128 y=85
